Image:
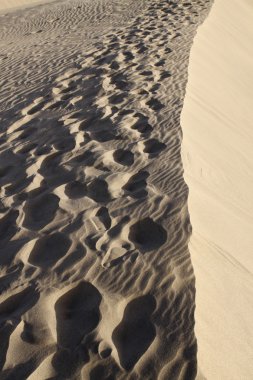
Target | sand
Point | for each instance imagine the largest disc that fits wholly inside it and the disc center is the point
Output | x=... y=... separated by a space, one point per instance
x=12 y=5
x=96 y=277
x=218 y=161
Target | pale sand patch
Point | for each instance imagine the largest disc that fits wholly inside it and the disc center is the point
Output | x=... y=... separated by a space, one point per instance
x=14 y=4
x=218 y=161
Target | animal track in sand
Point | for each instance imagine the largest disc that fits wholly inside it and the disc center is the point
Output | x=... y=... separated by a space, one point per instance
x=135 y=333
x=49 y=249
x=147 y=235
x=40 y=211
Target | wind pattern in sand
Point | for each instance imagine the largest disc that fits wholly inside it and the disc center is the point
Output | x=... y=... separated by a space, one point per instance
x=96 y=277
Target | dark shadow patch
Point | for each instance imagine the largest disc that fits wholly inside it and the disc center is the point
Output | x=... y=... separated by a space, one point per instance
x=75 y=190
x=135 y=333
x=98 y=191
x=153 y=147
x=49 y=250
x=123 y=157
x=77 y=314
x=147 y=235
x=40 y=211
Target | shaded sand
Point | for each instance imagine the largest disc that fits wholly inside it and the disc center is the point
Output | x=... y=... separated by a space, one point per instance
x=96 y=279
x=218 y=160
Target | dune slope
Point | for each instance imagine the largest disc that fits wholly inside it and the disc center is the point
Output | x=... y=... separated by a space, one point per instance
x=96 y=278
x=218 y=161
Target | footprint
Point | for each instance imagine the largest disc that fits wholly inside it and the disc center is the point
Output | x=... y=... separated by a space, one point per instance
x=101 y=372
x=103 y=136
x=87 y=158
x=27 y=148
x=147 y=235
x=75 y=190
x=17 y=186
x=10 y=277
x=65 y=144
x=5 y=170
x=136 y=185
x=27 y=133
x=36 y=108
x=43 y=150
x=142 y=125
x=153 y=147
x=12 y=309
x=98 y=190
x=104 y=217
x=53 y=172
x=18 y=304
x=123 y=157
x=77 y=314
x=135 y=333
x=155 y=104
x=48 y=250
x=165 y=74
x=40 y=211
x=8 y=227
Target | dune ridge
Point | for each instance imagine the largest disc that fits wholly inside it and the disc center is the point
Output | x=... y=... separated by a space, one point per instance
x=96 y=277
x=218 y=161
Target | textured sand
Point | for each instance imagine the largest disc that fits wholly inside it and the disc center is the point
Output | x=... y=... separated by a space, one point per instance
x=218 y=161
x=96 y=278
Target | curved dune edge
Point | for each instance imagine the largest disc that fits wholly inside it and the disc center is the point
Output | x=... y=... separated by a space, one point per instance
x=218 y=162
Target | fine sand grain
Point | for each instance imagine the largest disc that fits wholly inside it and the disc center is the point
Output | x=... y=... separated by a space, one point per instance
x=218 y=161
x=96 y=279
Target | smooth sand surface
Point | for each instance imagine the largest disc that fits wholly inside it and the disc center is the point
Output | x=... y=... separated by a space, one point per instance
x=218 y=161
x=96 y=279
x=6 y=5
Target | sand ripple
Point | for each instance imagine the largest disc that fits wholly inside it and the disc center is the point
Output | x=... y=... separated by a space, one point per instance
x=96 y=279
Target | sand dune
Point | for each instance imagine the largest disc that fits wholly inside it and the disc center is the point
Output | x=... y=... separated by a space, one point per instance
x=218 y=160
x=96 y=278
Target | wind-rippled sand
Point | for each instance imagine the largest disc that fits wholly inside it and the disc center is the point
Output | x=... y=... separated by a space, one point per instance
x=96 y=277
